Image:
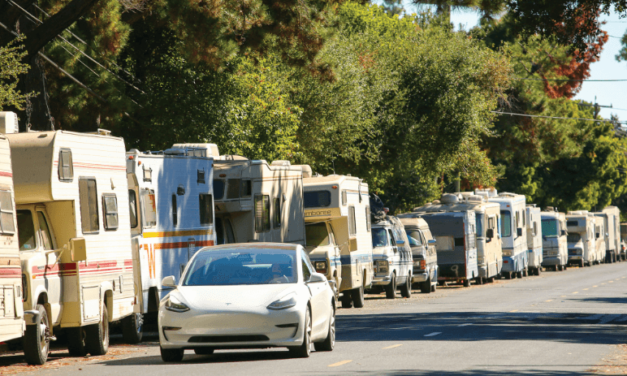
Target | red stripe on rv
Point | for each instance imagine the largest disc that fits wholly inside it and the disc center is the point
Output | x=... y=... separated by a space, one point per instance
x=204 y=243
x=10 y=272
x=6 y=174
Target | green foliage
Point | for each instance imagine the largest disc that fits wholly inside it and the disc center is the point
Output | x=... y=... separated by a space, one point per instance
x=11 y=67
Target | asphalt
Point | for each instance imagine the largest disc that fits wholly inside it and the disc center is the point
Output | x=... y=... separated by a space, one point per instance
x=560 y=323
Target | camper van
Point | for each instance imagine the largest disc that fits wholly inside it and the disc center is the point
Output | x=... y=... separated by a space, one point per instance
x=257 y=202
x=171 y=208
x=513 y=233
x=424 y=254
x=343 y=203
x=611 y=224
x=581 y=238
x=554 y=240
x=74 y=229
x=534 y=239
x=489 y=247
x=453 y=224
x=392 y=258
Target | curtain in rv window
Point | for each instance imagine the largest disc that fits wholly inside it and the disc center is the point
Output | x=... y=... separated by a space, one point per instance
x=232 y=190
x=206 y=209
x=110 y=206
x=277 y=213
x=132 y=204
x=66 y=167
x=149 y=208
x=262 y=213
x=352 y=224
x=6 y=213
x=506 y=219
x=88 y=194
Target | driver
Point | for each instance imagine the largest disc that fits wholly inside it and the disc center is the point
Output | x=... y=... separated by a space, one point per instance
x=278 y=274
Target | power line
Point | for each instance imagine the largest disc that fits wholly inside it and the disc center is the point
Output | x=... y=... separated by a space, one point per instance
x=548 y=117
x=567 y=80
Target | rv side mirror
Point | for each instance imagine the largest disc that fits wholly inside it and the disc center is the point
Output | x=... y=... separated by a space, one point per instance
x=168 y=281
x=489 y=233
x=431 y=241
x=352 y=244
x=400 y=242
x=79 y=249
x=519 y=232
x=598 y=235
x=564 y=233
x=607 y=235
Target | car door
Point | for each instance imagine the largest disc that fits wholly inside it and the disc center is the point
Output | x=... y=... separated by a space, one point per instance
x=319 y=305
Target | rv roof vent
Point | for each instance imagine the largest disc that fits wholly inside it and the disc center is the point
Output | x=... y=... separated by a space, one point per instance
x=280 y=163
x=578 y=212
x=104 y=132
x=550 y=209
x=199 y=150
x=491 y=192
x=229 y=157
x=306 y=170
x=8 y=123
x=449 y=198
x=531 y=205
x=474 y=198
x=436 y=202
x=507 y=194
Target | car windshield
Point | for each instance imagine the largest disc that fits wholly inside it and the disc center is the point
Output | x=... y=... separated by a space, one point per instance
x=229 y=267
x=574 y=237
x=379 y=237
x=317 y=234
x=550 y=227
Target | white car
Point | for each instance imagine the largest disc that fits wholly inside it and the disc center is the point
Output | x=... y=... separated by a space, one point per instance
x=247 y=296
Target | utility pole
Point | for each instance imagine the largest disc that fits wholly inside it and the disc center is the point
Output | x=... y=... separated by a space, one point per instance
x=597 y=107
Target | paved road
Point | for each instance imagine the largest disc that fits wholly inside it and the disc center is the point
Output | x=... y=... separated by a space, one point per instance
x=561 y=323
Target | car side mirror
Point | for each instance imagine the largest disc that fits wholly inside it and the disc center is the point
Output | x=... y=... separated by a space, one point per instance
x=489 y=233
x=316 y=277
x=168 y=281
x=519 y=232
x=432 y=241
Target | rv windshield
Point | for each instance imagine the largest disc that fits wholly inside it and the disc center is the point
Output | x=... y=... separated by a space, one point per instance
x=479 y=221
x=414 y=238
x=317 y=234
x=26 y=230
x=317 y=199
x=506 y=222
x=550 y=227
x=379 y=237
x=574 y=237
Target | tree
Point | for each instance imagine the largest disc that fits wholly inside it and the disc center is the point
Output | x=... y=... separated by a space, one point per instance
x=11 y=67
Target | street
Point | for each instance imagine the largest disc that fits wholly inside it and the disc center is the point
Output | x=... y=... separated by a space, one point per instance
x=561 y=323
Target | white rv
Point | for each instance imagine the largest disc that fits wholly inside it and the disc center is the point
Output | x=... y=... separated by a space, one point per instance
x=171 y=216
x=534 y=239
x=453 y=225
x=513 y=233
x=581 y=238
x=344 y=203
x=74 y=234
x=424 y=253
x=611 y=224
x=489 y=246
x=554 y=240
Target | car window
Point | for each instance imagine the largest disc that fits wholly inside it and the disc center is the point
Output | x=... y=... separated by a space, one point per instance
x=379 y=237
x=26 y=230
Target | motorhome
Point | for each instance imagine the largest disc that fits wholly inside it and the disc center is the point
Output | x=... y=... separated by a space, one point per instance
x=257 y=201
x=600 y=239
x=342 y=201
x=534 y=239
x=554 y=239
x=513 y=233
x=581 y=238
x=392 y=258
x=453 y=224
x=75 y=241
x=424 y=254
x=623 y=236
x=171 y=216
x=489 y=247
x=611 y=224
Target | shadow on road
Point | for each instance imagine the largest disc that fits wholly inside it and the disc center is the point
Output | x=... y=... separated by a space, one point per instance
x=479 y=372
x=230 y=356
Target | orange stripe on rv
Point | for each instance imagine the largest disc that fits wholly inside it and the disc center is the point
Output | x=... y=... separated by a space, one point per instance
x=171 y=234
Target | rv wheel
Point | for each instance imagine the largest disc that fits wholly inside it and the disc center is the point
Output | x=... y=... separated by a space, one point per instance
x=37 y=339
x=346 y=300
x=390 y=290
x=466 y=282
x=406 y=288
x=76 y=341
x=132 y=328
x=434 y=287
x=97 y=340
x=519 y=274
x=358 y=297
x=425 y=287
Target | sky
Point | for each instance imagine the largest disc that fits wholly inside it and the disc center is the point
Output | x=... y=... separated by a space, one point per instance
x=606 y=93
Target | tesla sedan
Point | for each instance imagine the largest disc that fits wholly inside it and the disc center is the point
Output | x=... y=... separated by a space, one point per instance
x=247 y=296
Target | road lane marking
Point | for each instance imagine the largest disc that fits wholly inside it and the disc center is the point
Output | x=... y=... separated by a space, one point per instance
x=595 y=286
x=391 y=347
x=548 y=301
x=611 y=281
x=433 y=334
x=340 y=363
x=563 y=296
x=513 y=311
x=585 y=289
x=602 y=284
x=467 y=324
x=576 y=292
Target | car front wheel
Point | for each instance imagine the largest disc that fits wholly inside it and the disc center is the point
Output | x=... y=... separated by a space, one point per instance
x=172 y=355
x=329 y=343
x=304 y=350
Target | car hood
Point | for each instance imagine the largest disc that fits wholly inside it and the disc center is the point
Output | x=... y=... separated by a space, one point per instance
x=233 y=297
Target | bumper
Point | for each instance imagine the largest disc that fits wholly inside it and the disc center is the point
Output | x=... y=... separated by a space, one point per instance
x=420 y=276
x=556 y=260
x=381 y=280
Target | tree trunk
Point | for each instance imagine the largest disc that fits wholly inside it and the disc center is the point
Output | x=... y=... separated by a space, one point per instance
x=36 y=114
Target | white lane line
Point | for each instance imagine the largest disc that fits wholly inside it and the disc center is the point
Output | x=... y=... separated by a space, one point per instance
x=468 y=324
x=433 y=334
x=391 y=347
x=340 y=363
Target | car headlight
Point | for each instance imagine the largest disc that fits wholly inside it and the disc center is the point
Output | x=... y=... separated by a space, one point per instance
x=321 y=267
x=382 y=266
x=175 y=305
x=288 y=301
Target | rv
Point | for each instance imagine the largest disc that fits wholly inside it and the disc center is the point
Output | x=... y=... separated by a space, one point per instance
x=392 y=258
x=600 y=238
x=513 y=234
x=257 y=202
x=611 y=224
x=581 y=238
x=554 y=240
x=75 y=241
x=534 y=239
x=452 y=223
x=171 y=216
x=424 y=254
x=489 y=247
x=623 y=236
x=343 y=203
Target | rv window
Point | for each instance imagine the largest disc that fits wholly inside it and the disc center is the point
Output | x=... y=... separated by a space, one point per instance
x=246 y=188
x=517 y=219
x=175 y=211
x=219 y=231
x=232 y=190
x=379 y=237
x=414 y=238
x=573 y=223
x=316 y=234
x=368 y=222
x=344 y=197
x=277 y=213
x=392 y=239
x=352 y=224
x=6 y=208
x=491 y=222
x=262 y=213
x=206 y=209
x=506 y=219
x=230 y=238
x=317 y=199
x=88 y=193
x=200 y=176
x=26 y=230
x=479 y=223
x=110 y=207
x=44 y=229
x=147 y=174
x=66 y=167
x=149 y=208
x=535 y=228
x=218 y=189
x=444 y=243
x=132 y=204
x=459 y=242
x=573 y=237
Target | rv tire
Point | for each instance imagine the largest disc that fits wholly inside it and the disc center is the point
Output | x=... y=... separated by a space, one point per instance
x=406 y=288
x=132 y=328
x=97 y=341
x=507 y=275
x=347 y=301
x=76 y=341
x=172 y=355
x=519 y=274
x=466 y=282
x=390 y=289
x=434 y=287
x=425 y=287
x=358 y=297
x=37 y=339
